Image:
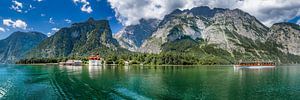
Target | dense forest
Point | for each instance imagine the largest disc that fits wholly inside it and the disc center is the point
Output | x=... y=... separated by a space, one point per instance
x=190 y=54
x=185 y=51
x=167 y=58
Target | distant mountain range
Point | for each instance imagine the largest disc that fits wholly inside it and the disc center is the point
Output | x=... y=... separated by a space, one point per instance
x=81 y=39
x=228 y=34
x=18 y=44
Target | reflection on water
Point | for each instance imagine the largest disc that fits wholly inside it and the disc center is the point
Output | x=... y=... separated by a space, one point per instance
x=94 y=71
x=71 y=69
x=148 y=82
x=255 y=70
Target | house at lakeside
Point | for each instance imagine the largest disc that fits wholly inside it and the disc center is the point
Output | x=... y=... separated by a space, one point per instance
x=95 y=60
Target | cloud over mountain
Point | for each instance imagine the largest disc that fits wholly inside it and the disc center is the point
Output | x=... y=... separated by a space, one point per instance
x=15 y=24
x=268 y=11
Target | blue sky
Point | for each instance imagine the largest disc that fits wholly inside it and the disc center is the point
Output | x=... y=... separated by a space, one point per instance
x=37 y=14
x=47 y=16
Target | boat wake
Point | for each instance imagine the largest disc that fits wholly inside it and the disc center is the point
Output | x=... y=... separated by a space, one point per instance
x=127 y=94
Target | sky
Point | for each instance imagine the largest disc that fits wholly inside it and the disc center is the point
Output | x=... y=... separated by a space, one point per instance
x=48 y=16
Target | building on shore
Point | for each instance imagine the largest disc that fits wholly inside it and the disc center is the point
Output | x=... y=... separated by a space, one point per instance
x=126 y=63
x=95 y=60
x=71 y=63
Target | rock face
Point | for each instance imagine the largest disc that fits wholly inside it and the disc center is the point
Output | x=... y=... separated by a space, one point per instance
x=235 y=31
x=288 y=35
x=17 y=44
x=132 y=37
x=81 y=39
x=217 y=26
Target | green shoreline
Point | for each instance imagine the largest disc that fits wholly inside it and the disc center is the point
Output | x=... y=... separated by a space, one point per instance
x=44 y=64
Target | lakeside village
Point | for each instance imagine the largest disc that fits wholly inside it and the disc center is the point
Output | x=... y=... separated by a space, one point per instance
x=94 y=60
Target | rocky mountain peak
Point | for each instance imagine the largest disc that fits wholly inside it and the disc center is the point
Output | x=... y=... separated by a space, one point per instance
x=217 y=26
x=286 y=25
x=288 y=35
x=235 y=31
x=205 y=11
x=131 y=37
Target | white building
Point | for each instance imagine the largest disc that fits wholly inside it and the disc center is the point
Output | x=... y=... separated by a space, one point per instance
x=95 y=60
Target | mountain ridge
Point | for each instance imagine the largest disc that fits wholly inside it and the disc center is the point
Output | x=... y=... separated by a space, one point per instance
x=80 y=39
x=127 y=39
x=234 y=31
x=14 y=47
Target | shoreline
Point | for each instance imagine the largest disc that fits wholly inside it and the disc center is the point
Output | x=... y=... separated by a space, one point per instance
x=45 y=64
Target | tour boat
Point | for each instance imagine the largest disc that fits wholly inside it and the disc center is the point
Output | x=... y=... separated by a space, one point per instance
x=256 y=64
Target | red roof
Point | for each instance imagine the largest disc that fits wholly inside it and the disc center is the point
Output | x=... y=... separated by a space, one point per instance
x=97 y=57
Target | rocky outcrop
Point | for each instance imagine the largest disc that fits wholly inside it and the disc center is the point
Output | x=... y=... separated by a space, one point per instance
x=132 y=37
x=288 y=35
x=216 y=26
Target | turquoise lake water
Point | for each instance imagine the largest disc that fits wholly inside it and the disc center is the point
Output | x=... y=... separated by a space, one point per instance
x=18 y=82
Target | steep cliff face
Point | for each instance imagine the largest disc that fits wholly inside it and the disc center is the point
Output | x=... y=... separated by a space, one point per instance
x=217 y=26
x=131 y=37
x=81 y=39
x=17 y=44
x=233 y=33
x=288 y=35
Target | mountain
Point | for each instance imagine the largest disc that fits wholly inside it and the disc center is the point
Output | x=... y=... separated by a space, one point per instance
x=81 y=39
x=217 y=26
x=17 y=44
x=287 y=34
x=132 y=37
x=229 y=34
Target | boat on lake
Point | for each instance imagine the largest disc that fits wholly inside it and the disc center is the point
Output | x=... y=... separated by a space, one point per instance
x=255 y=64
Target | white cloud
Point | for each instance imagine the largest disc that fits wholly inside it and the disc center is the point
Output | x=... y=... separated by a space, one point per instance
x=7 y=22
x=17 y=6
x=2 y=29
x=20 y=24
x=31 y=7
x=51 y=21
x=43 y=15
x=68 y=20
x=49 y=34
x=271 y=11
x=38 y=0
x=86 y=7
x=15 y=24
x=298 y=22
x=268 y=11
x=55 y=29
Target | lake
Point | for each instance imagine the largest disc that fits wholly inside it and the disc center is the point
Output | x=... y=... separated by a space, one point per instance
x=146 y=83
